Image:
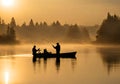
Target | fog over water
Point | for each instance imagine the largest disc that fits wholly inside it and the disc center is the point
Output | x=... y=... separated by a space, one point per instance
x=96 y=64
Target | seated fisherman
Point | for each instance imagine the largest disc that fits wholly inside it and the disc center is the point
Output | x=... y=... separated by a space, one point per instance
x=34 y=51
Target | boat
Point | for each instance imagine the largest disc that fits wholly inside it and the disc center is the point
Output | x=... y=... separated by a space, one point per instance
x=53 y=55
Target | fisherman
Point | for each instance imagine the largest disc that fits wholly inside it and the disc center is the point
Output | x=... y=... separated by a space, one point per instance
x=57 y=47
x=45 y=51
x=45 y=54
x=34 y=52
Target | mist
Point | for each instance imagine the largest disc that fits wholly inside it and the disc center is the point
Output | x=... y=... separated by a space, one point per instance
x=41 y=32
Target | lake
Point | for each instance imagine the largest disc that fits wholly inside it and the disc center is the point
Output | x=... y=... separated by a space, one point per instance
x=94 y=65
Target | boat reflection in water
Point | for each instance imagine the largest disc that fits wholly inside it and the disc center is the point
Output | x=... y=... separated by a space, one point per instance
x=57 y=62
x=110 y=57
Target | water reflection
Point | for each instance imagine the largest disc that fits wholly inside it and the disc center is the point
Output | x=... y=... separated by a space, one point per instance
x=45 y=63
x=6 y=77
x=36 y=62
x=73 y=63
x=7 y=52
x=110 y=57
x=57 y=63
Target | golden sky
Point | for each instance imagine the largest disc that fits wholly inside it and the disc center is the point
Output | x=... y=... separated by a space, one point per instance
x=82 y=12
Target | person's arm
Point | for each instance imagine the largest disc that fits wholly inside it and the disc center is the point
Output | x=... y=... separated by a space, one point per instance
x=53 y=46
x=38 y=49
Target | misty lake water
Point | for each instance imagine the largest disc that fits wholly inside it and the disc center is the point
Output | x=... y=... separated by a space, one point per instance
x=94 y=65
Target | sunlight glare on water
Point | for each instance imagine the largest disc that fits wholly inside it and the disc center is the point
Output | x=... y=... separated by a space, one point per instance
x=6 y=77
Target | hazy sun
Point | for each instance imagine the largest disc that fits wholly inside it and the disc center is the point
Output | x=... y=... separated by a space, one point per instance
x=7 y=3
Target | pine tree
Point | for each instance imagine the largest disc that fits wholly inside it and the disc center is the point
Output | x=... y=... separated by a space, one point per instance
x=11 y=33
x=31 y=24
x=13 y=23
x=24 y=24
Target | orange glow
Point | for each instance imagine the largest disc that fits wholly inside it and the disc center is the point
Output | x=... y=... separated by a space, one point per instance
x=82 y=12
x=6 y=77
x=7 y=3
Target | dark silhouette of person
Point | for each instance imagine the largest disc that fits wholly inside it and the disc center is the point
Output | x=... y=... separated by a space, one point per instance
x=34 y=52
x=45 y=53
x=57 y=47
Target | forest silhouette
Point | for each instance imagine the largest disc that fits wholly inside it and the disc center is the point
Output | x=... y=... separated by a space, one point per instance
x=44 y=33
x=109 y=31
x=41 y=32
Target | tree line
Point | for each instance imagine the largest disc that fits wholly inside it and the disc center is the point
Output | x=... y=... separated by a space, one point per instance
x=42 y=32
x=109 y=31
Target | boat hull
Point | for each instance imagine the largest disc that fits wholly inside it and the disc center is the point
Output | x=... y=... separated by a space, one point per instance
x=61 y=55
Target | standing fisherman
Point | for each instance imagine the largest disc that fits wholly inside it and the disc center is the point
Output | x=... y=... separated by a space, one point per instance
x=57 y=47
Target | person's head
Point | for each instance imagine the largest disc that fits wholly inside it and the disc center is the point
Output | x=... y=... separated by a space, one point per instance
x=45 y=50
x=57 y=43
x=34 y=46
